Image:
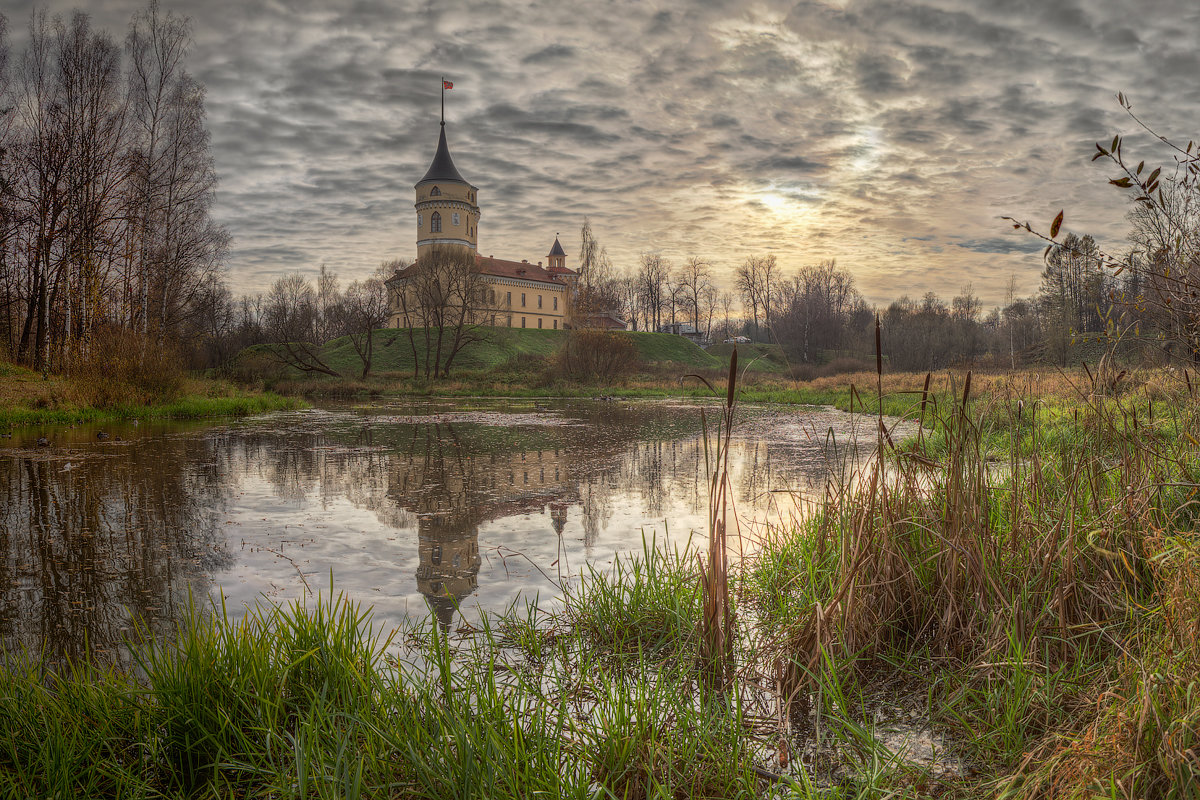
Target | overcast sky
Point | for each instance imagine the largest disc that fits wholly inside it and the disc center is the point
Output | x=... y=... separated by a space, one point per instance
x=888 y=135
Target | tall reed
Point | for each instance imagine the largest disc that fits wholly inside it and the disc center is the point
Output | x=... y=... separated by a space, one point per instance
x=717 y=639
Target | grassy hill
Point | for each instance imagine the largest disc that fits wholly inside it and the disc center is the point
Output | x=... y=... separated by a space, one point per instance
x=669 y=349
x=393 y=353
x=760 y=357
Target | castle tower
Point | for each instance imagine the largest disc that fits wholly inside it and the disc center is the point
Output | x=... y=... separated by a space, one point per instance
x=557 y=256
x=447 y=209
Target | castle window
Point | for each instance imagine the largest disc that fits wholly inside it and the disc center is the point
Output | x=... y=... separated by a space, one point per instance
x=555 y=324
x=539 y=301
x=556 y=304
x=435 y=222
x=539 y=322
x=508 y=300
x=510 y=320
x=418 y=220
x=435 y=192
x=492 y=296
x=455 y=218
x=522 y=322
x=522 y=302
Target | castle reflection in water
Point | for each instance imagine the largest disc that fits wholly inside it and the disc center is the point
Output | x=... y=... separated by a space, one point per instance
x=452 y=495
x=454 y=481
x=100 y=538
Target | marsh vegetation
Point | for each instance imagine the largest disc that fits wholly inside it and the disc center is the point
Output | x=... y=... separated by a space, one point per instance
x=1002 y=603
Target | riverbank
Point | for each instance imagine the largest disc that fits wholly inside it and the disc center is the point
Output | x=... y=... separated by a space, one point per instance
x=1015 y=409
x=29 y=399
x=945 y=624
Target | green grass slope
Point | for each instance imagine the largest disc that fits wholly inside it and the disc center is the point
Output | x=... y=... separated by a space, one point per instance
x=759 y=357
x=393 y=353
x=667 y=348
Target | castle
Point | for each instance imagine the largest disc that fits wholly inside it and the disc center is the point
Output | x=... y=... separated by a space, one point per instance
x=514 y=294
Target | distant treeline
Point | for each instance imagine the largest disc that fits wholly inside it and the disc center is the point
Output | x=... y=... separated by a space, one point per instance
x=817 y=313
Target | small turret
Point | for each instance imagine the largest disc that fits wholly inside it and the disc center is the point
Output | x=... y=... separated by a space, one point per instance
x=557 y=256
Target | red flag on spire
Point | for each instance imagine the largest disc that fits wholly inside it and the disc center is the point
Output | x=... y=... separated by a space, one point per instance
x=447 y=84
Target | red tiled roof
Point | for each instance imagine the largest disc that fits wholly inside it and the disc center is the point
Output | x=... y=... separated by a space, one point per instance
x=510 y=269
x=513 y=269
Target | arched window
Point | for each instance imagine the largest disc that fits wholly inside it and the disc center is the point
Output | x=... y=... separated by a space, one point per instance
x=435 y=192
x=418 y=220
x=435 y=222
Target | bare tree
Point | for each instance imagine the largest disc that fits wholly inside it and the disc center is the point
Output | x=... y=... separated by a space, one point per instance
x=330 y=317
x=629 y=299
x=748 y=283
x=695 y=286
x=364 y=308
x=39 y=187
x=813 y=310
x=652 y=279
x=756 y=280
x=1161 y=274
x=444 y=294
x=290 y=318
x=177 y=244
x=726 y=301
x=595 y=269
x=92 y=123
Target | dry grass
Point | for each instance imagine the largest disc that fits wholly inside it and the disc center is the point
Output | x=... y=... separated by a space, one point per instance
x=1052 y=593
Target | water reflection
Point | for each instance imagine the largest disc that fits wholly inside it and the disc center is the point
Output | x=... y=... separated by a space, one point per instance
x=90 y=541
x=399 y=506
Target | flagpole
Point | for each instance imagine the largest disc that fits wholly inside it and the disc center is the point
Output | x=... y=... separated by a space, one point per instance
x=443 y=99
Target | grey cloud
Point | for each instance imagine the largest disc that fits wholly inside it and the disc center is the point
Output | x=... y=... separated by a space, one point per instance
x=792 y=164
x=880 y=74
x=555 y=52
x=892 y=116
x=1002 y=244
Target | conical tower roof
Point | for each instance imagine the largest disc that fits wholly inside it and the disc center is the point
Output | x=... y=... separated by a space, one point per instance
x=442 y=169
x=557 y=250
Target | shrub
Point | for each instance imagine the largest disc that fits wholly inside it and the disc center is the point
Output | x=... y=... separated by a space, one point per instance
x=844 y=366
x=257 y=366
x=802 y=372
x=120 y=367
x=597 y=355
x=839 y=366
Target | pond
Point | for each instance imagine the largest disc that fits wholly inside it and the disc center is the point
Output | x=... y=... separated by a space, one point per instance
x=414 y=508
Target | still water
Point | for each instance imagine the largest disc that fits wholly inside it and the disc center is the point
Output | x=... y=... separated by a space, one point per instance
x=438 y=507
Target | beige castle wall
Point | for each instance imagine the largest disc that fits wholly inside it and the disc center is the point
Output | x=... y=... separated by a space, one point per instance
x=501 y=311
